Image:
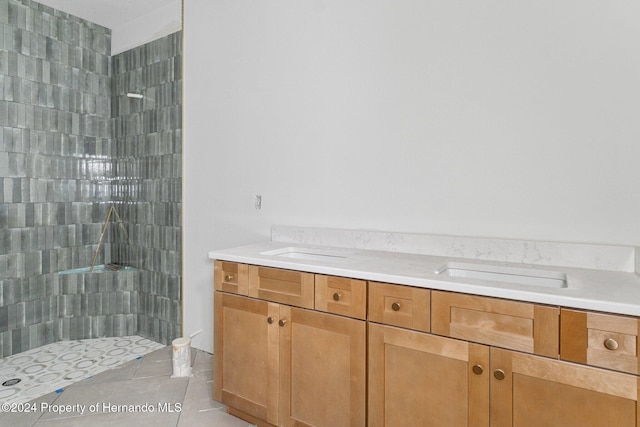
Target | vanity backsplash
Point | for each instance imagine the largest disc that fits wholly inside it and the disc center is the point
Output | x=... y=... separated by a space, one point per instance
x=577 y=255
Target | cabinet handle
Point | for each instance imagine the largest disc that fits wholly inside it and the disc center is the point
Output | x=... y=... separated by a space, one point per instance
x=270 y=320
x=499 y=374
x=477 y=369
x=336 y=296
x=611 y=344
x=395 y=306
x=282 y=322
x=228 y=277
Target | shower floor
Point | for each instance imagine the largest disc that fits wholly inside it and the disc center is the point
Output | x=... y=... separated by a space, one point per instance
x=55 y=366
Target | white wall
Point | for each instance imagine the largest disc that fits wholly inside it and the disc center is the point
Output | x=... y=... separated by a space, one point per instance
x=133 y=23
x=154 y=25
x=498 y=118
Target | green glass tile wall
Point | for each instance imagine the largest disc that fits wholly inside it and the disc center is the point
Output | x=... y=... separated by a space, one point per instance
x=147 y=151
x=69 y=149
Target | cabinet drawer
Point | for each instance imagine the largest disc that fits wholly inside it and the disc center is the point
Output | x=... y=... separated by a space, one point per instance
x=515 y=325
x=340 y=295
x=604 y=340
x=398 y=305
x=231 y=277
x=283 y=286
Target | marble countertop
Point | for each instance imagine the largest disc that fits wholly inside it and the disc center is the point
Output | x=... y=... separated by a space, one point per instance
x=601 y=290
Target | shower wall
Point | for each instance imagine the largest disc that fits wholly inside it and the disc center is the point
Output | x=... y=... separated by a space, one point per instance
x=147 y=185
x=58 y=176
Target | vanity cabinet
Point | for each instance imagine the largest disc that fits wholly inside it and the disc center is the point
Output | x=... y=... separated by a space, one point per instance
x=277 y=364
x=473 y=377
x=301 y=349
x=422 y=379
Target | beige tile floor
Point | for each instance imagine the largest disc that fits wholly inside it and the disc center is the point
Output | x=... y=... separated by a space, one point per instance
x=139 y=393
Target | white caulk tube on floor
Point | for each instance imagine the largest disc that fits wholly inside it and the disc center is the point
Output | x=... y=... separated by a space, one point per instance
x=181 y=357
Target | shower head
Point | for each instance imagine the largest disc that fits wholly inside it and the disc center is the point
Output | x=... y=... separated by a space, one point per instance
x=135 y=95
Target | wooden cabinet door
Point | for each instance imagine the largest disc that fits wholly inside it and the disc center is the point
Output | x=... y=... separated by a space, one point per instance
x=323 y=369
x=245 y=355
x=418 y=379
x=534 y=391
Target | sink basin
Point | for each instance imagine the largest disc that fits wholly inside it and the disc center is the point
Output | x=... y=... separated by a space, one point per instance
x=303 y=253
x=520 y=276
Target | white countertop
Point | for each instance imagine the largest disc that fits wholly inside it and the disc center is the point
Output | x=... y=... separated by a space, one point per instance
x=601 y=290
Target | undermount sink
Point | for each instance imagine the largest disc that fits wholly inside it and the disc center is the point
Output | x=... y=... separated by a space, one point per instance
x=303 y=253
x=520 y=276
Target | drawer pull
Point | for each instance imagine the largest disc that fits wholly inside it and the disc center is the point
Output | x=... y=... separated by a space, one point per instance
x=270 y=320
x=282 y=322
x=229 y=277
x=477 y=369
x=337 y=296
x=499 y=374
x=611 y=344
x=395 y=306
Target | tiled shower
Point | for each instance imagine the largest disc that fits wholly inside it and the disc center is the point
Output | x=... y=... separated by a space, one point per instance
x=72 y=145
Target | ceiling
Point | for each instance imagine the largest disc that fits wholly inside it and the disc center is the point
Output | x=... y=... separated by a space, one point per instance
x=108 y=13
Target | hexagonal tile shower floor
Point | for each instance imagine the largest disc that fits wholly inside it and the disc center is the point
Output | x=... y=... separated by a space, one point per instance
x=54 y=366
